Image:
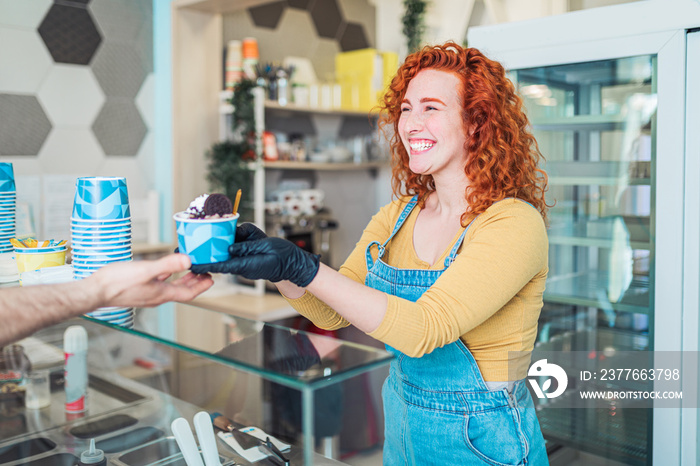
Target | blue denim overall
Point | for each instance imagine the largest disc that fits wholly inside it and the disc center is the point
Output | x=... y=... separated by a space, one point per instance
x=438 y=409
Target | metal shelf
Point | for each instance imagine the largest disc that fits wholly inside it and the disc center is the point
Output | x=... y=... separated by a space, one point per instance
x=589 y=289
x=602 y=173
x=599 y=233
x=579 y=123
x=621 y=340
x=598 y=181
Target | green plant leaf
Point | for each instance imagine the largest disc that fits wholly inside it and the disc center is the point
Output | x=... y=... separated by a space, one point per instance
x=229 y=162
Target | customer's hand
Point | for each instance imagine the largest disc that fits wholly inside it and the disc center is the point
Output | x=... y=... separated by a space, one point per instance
x=143 y=283
x=273 y=259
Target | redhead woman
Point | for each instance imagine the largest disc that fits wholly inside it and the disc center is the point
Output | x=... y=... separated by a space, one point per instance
x=450 y=275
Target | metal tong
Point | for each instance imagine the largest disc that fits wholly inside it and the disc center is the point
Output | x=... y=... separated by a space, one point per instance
x=275 y=455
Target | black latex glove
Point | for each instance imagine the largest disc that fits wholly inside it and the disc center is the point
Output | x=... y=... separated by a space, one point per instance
x=248 y=232
x=273 y=259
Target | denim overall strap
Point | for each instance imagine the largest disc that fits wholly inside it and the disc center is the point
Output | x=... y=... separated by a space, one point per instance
x=453 y=253
x=438 y=409
x=382 y=247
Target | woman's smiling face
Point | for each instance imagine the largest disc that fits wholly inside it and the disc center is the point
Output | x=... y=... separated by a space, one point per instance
x=431 y=125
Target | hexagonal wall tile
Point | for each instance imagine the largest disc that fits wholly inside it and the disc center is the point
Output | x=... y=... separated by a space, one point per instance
x=267 y=16
x=144 y=45
x=24 y=66
x=23 y=14
x=354 y=11
x=119 y=20
x=118 y=69
x=70 y=34
x=297 y=24
x=353 y=37
x=23 y=125
x=119 y=127
x=146 y=7
x=300 y=4
x=68 y=148
x=327 y=18
x=145 y=101
x=71 y=95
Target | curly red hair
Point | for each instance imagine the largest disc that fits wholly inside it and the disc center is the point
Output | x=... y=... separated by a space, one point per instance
x=504 y=155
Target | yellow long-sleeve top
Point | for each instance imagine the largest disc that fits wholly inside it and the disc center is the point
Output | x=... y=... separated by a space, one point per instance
x=490 y=297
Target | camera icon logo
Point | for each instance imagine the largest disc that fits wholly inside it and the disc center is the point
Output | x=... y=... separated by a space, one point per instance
x=541 y=369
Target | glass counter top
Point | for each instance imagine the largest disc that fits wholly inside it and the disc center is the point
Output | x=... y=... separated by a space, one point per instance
x=294 y=358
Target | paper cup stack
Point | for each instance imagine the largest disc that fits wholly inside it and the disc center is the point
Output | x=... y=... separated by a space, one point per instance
x=101 y=234
x=8 y=206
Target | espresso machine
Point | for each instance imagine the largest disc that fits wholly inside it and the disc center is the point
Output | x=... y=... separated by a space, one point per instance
x=312 y=233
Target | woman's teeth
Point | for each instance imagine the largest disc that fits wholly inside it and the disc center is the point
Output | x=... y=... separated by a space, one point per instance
x=421 y=146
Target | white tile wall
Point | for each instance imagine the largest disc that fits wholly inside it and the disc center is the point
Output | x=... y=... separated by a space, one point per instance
x=24 y=61
x=71 y=95
x=72 y=98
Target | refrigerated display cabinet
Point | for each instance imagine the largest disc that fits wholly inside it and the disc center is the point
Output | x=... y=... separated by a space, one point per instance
x=289 y=383
x=610 y=96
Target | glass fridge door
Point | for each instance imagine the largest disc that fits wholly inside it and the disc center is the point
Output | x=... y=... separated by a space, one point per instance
x=595 y=125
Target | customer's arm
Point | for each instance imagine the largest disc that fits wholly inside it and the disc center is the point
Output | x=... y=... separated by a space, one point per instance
x=139 y=284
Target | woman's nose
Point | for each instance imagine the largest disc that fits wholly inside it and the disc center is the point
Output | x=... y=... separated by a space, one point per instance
x=414 y=122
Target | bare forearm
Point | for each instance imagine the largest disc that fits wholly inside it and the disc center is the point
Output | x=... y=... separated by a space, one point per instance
x=25 y=310
x=360 y=305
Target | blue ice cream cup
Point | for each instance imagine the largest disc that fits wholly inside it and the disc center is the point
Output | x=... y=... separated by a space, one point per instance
x=101 y=198
x=205 y=240
x=7 y=178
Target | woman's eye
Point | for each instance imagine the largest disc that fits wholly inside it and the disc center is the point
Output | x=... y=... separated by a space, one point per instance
x=430 y=108
x=405 y=109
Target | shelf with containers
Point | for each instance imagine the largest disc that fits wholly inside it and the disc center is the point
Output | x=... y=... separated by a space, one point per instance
x=200 y=33
x=288 y=383
x=276 y=116
x=316 y=149
x=607 y=111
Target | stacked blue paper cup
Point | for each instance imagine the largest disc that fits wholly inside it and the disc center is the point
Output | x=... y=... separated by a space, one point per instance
x=8 y=206
x=101 y=234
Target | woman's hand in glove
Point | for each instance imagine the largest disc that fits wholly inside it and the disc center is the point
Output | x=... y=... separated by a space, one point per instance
x=273 y=259
x=248 y=232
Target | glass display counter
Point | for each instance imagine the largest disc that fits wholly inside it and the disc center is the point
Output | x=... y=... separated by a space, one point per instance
x=293 y=385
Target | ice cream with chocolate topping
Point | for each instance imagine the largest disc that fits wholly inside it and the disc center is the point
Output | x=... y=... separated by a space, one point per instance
x=207 y=228
x=210 y=206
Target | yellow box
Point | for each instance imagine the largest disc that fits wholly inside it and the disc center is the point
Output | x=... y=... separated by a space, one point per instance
x=363 y=76
x=34 y=261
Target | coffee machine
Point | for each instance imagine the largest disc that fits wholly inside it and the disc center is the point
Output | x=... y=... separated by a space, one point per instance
x=312 y=232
